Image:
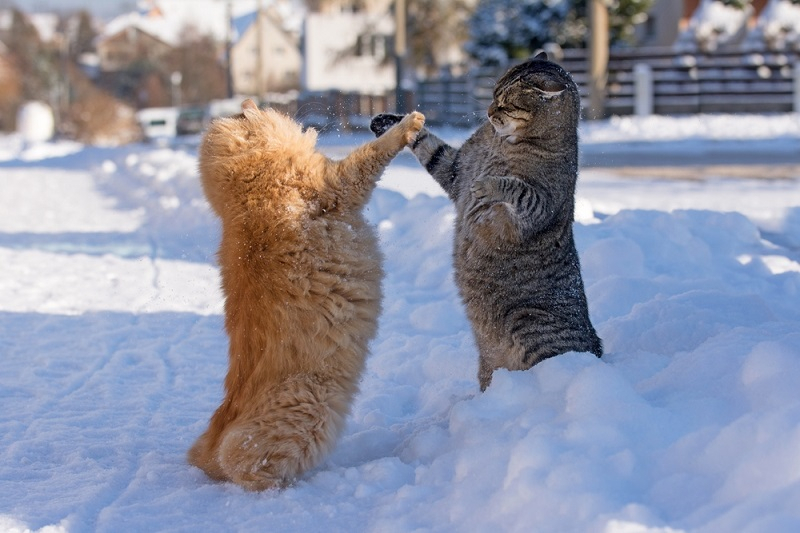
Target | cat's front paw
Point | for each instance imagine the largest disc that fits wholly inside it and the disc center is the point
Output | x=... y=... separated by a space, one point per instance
x=380 y=124
x=412 y=124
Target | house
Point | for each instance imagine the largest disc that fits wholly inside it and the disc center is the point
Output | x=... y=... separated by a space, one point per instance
x=349 y=51
x=121 y=50
x=128 y=60
x=264 y=56
x=134 y=37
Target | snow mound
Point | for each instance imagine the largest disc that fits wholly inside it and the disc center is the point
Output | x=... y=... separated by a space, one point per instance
x=114 y=354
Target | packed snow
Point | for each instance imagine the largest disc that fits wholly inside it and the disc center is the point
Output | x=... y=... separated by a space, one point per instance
x=113 y=354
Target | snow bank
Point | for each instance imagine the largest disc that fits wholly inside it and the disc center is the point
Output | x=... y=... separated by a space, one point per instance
x=114 y=354
x=35 y=122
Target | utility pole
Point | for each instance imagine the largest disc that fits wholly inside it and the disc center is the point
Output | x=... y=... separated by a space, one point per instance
x=598 y=60
x=400 y=52
x=260 y=75
x=228 y=47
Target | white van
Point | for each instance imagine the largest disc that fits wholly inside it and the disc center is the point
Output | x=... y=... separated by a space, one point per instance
x=158 y=122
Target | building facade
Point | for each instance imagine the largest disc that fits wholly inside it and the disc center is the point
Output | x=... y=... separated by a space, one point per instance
x=264 y=57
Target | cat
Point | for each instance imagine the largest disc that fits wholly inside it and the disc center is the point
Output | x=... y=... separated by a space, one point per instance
x=513 y=186
x=301 y=274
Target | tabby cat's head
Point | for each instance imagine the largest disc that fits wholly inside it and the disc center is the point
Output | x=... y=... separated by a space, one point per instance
x=532 y=98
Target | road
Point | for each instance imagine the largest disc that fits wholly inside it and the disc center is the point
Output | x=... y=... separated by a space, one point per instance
x=771 y=159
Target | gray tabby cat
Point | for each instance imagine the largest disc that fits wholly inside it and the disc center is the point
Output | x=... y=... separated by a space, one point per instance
x=513 y=185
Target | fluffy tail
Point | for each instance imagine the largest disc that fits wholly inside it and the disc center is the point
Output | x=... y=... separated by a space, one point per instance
x=287 y=432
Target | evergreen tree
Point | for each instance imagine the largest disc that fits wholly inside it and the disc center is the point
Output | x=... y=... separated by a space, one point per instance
x=84 y=35
x=433 y=27
x=502 y=30
x=506 y=30
x=623 y=15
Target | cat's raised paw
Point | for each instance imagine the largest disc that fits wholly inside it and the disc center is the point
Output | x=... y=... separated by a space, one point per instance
x=413 y=123
x=380 y=124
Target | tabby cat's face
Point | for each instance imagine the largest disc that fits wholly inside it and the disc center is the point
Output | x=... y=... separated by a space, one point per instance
x=529 y=97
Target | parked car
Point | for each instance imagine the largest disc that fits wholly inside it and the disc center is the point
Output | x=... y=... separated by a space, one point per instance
x=192 y=120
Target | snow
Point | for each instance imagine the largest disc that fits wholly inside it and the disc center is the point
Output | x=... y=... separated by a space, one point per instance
x=713 y=24
x=778 y=25
x=114 y=353
x=35 y=122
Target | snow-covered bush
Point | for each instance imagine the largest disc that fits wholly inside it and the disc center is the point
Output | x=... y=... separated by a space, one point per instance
x=716 y=23
x=504 y=30
x=778 y=26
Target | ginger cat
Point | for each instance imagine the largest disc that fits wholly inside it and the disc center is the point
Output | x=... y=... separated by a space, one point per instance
x=301 y=275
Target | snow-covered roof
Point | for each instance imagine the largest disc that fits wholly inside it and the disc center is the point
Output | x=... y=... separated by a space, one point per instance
x=46 y=25
x=166 y=19
x=167 y=30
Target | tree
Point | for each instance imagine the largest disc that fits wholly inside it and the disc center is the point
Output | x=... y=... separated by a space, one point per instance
x=435 y=28
x=10 y=93
x=505 y=30
x=196 y=57
x=37 y=65
x=83 y=36
x=623 y=15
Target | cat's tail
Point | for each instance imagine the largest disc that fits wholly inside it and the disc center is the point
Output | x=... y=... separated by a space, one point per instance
x=288 y=431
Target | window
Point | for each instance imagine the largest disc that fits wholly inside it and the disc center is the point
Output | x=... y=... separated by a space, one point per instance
x=368 y=45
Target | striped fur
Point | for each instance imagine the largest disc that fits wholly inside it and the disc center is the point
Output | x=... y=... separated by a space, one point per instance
x=513 y=185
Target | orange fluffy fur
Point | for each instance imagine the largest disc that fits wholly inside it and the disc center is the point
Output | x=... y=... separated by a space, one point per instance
x=301 y=274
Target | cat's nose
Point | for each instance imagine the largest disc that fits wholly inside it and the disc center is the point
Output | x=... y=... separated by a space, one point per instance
x=492 y=109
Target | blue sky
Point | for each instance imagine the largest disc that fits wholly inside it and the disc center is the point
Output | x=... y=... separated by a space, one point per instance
x=101 y=8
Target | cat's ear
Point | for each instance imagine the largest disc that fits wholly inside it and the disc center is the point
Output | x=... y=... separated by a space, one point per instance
x=550 y=89
x=248 y=105
x=542 y=56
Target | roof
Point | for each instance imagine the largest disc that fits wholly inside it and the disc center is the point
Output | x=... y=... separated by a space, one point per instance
x=166 y=19
x=243 y=22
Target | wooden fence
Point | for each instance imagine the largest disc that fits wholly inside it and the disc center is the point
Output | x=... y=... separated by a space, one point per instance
x=759 y=81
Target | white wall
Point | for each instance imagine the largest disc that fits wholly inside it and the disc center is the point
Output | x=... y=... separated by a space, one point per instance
x=329 y=61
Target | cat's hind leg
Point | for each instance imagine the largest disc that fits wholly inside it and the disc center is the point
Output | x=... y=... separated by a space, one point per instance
x=203 y=455
x=288 y=433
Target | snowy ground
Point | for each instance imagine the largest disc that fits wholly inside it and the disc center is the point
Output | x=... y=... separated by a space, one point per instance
x=113 y=355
